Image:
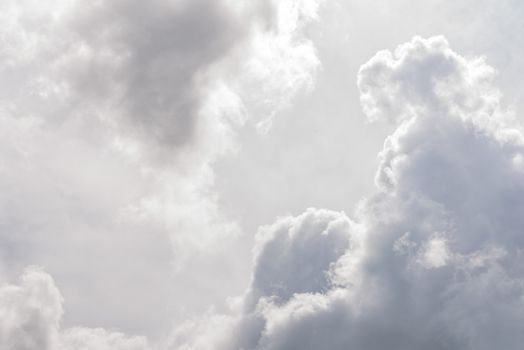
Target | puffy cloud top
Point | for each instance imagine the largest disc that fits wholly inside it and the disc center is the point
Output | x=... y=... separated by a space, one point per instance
x=294 y=255
x=425 y=78
x=31 y=314
x=434 y=258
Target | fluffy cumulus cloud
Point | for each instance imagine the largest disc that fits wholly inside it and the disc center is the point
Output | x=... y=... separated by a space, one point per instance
x=31 y=313
x=293 y=255
x=112 y=115
x=293 y=260
x=434 y=259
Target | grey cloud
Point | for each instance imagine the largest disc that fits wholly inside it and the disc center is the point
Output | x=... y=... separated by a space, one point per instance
x=154 y=57
x=435 y=256
x=294 y=255
x=112 y=115
x=149 y=71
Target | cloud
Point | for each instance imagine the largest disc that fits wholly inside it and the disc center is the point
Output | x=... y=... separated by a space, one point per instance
x=112 y=117
x=151 y=72
x=31 y=313
x=294 y=254
x=160 y=87
x=293 y=257
x=434 y=259
x=283 y=62
x=97 y=338
x=145 y=104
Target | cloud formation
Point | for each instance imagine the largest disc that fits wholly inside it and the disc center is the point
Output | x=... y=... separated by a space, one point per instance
x=145 y=104
x=151 y=72
x=112 y=116
x=31 y=314
x=433 y=260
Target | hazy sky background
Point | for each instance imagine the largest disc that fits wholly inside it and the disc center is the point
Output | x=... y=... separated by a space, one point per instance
x=144 y=144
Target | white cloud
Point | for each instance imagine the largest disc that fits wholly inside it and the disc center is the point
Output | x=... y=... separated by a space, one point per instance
x=30 y=313
x=100 y=339
x=30 y=320
x=434 y=258
x=435 y=253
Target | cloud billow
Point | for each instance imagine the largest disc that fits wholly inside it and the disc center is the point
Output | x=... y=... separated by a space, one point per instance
x=434 y=259
x=31 y=315
x=113 y=114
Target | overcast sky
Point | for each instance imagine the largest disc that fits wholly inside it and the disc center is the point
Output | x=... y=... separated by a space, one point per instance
x=261 y=174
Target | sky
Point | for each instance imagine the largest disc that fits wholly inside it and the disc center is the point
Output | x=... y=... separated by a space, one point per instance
x=261 y=175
